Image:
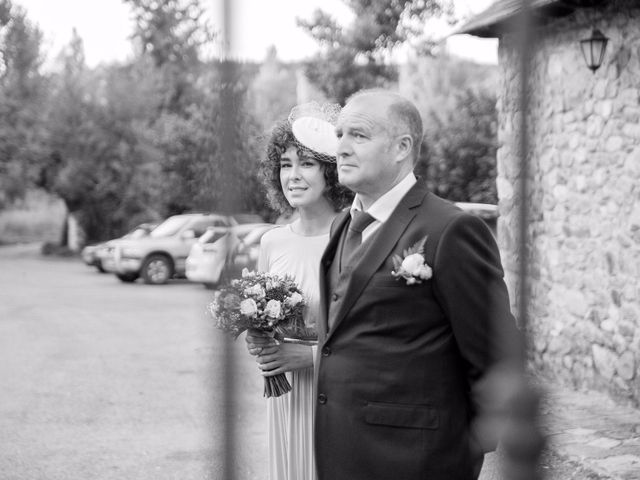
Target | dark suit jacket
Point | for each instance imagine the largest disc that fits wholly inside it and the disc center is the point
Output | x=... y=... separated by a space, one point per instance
x=396 y=374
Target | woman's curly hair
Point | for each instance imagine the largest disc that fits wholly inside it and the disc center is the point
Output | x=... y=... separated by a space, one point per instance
x=280 y=140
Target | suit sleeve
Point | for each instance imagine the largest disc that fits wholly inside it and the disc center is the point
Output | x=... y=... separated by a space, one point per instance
x=469 y=284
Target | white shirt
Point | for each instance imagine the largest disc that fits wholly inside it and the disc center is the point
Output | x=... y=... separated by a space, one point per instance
x=382 y=208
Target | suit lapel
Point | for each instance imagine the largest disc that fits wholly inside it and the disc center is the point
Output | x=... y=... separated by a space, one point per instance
x=377 y=251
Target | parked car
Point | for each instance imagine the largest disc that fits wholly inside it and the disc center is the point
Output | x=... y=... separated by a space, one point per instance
x=211 y=256
x=90 y=257
x=107 y=252
x=208 y=256
x=486 y=211
x=245 y=254
x=95 y=255
x=161 y=255
x=247 y=218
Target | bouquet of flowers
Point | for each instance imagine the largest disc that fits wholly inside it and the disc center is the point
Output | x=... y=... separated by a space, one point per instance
x=264 y=302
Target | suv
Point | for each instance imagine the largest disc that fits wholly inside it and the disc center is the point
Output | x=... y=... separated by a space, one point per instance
x=161 y=255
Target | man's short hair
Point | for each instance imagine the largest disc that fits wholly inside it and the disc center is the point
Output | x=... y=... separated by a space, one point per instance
x=404 y=115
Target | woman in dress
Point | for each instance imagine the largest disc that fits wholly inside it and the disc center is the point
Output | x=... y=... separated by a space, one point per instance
x=299 y=173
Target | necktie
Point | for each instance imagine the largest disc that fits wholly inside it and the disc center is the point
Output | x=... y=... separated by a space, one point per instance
x=353 y=239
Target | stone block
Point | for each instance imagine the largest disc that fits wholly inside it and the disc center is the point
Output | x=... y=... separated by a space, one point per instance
x=504 y=187
x=629 y=96
x=634 y=218
x=620 y=343
x=555 y=66
x=580 y=182
x=561 y=193
x=595 y=125
x=604 y=360
x=600 y=89
x=604 y=442
x=619 y=463
x=576 y=303
x=588 y=108
x=613 y=314
x=599 y=177
x=629 y=317
x=614 y=144
x=567 y=159
x=632 y=130
x=581 y=432
x=558 y=345
x=626 y=366
x=631 y=113
x=612 y=90
x=604 y=108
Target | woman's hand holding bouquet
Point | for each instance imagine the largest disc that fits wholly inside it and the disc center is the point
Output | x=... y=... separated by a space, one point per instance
x=270 y=307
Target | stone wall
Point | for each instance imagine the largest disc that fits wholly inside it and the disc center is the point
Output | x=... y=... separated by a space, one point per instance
x=584 y=228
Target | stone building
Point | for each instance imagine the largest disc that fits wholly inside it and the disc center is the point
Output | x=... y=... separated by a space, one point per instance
x=584 y=197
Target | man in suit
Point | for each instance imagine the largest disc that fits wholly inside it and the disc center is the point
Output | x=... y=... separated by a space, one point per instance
x=417 y=313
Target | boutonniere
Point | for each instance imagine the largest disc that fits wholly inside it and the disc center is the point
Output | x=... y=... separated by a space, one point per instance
x=413 y=267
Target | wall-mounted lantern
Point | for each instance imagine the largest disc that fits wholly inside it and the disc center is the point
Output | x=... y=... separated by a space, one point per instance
x=593 y=49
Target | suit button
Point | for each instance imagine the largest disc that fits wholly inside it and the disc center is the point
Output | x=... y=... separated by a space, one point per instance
x=326 y=351
x=335 y=297
x=322 y=398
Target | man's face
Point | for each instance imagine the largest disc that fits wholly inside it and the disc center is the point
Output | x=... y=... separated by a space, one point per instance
x=365 y=157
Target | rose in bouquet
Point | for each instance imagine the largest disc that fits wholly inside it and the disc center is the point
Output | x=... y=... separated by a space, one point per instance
x=266 y=302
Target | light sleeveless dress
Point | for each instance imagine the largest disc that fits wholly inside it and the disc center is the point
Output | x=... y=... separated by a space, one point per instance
x=290 y=416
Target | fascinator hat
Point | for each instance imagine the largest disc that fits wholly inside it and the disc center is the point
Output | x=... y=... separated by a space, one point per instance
x=313 y=126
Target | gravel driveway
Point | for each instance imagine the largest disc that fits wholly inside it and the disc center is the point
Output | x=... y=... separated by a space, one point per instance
x=104 y=380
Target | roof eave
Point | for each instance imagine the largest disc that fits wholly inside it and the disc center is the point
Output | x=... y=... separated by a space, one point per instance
x=500 y=16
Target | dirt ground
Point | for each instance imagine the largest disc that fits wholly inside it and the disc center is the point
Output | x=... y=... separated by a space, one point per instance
x=106 y=380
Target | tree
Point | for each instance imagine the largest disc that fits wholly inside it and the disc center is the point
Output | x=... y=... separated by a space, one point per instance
x=172 y=33
x=459 y=158
x=97 y=163
x=356 y=57
x=188 y=131
x=272 y=93
x=210 y=155
x=22 y=94
x=457 y=101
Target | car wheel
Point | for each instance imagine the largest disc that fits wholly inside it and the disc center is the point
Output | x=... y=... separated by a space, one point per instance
x=210 y=285
x=127 y=277
x=156 y=270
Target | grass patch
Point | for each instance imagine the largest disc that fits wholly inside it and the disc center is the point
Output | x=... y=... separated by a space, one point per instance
x=36 y=218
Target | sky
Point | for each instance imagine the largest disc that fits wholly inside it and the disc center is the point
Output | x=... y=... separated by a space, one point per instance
x=105 y=27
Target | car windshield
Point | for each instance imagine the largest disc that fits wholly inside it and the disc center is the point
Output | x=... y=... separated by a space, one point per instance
x=255 y=235
x=247 y=218
x=212 y=235
x=137 y=233
x=169 y=227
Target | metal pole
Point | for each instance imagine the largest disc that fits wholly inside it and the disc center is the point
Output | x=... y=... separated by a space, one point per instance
x=524 y=50
x=524 y=442
x=227 y=141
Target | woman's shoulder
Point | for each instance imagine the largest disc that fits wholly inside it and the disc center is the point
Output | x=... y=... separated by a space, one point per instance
x=275 y=234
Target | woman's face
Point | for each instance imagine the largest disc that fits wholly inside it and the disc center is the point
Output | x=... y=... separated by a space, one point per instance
x=302 y=179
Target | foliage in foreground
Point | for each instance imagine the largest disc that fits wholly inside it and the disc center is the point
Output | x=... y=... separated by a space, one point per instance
x=125 y=143
x=167 y=132
x=357 y=56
